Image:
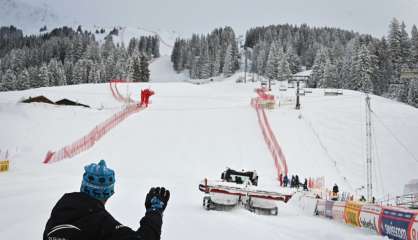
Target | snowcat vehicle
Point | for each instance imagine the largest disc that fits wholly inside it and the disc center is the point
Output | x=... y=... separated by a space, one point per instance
x=239 y=188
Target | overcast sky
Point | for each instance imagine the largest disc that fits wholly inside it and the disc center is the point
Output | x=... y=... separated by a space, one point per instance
x=187 y=16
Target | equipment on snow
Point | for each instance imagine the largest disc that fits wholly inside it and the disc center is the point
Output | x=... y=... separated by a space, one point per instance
x=239 y=188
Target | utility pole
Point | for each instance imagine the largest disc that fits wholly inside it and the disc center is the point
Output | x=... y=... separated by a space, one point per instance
x=369 y=181
x=297 y=94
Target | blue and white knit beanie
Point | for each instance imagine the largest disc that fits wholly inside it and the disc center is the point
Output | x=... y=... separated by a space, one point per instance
x=98 y=181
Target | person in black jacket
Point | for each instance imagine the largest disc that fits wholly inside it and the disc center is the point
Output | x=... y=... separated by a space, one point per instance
x=82 y=215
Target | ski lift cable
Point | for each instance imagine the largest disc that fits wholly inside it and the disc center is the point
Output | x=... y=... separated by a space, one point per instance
x=325 y=149
x=395 y=137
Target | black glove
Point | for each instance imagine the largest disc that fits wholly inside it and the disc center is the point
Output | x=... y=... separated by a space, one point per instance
x=156 y=200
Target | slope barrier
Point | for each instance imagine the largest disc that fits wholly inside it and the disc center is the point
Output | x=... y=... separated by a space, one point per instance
x=394 y=222
x=116 y=94
x=88 y=141
x=269 y=137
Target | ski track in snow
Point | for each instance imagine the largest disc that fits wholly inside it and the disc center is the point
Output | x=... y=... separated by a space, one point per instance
x=190 y=132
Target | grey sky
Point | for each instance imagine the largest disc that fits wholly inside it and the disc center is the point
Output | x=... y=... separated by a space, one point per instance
x=186 y=16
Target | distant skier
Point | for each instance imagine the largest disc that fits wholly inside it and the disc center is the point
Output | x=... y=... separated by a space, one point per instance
x=82 y=215
x=285 y=181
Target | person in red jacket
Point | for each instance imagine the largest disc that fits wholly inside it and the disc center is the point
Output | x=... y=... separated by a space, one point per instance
x=147 y=94
x=142 y=98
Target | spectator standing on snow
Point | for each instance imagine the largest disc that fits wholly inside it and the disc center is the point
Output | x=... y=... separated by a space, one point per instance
x=305 y=185
x=82 y=215
x=297 y=182
x=142 y=98
x=285 y=180
x=281 y=180
x=147 y=94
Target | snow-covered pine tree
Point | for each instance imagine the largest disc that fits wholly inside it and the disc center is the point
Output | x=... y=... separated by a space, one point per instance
x=135 y=70
x=363 y=71
x=78 y=73
x=413 y=93
x=110 y=65
x=405 y=46
x=395 y=47
x=204 y=64
x=9 y=80
x=121 y=69
x=215 y=67
x=23 y=80
x=330 y=76
x=145 y=73
x=272 y=64
x=414 y=45
x=228 y=68
x=44 y=76
x=68 y=71
x=261 y=60
x=284 y=72
x=318 y=68
x=156 y=47
x=293 y=60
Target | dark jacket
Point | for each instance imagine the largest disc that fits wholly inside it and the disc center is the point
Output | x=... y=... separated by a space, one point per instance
x=77 y=216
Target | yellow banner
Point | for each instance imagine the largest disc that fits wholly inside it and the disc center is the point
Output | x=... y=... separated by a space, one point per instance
x=352 y=213
x=4 y=165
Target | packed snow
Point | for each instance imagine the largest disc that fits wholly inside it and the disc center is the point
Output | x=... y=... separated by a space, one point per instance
x=190 y=132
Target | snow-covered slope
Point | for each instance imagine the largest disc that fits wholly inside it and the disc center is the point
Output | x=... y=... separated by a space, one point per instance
x=188 y=133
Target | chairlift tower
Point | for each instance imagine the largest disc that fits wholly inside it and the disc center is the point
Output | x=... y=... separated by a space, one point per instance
x=369 y=167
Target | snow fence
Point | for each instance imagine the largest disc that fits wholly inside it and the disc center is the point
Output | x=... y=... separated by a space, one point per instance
x=394 y=222
x=269 y=137
x=115 y=92
x=87 y=141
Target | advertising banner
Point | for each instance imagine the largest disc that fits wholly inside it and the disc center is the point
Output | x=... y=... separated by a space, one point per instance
x=413 y=235
x=352 y=213
x=320 y=207
x=338 y=211
x=328 y=208
x=369 y=217
x=396 y=223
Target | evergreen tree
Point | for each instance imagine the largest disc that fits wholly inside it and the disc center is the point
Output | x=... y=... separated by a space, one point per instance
x=414 y=45
x=228 y=68
x=204 y=64
x=9 y=80
x=395 y=46
x=405 y=46
x=78 y=73
x=145 y=73
x=23 y=80
x=272 y=64
x=44 y=76
x=318 y=68
x=330 y=76
x=363 y=71
x=413 y=93
x=110 y=65
x=293 y=60
x=136 y=70
x=284 y=72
